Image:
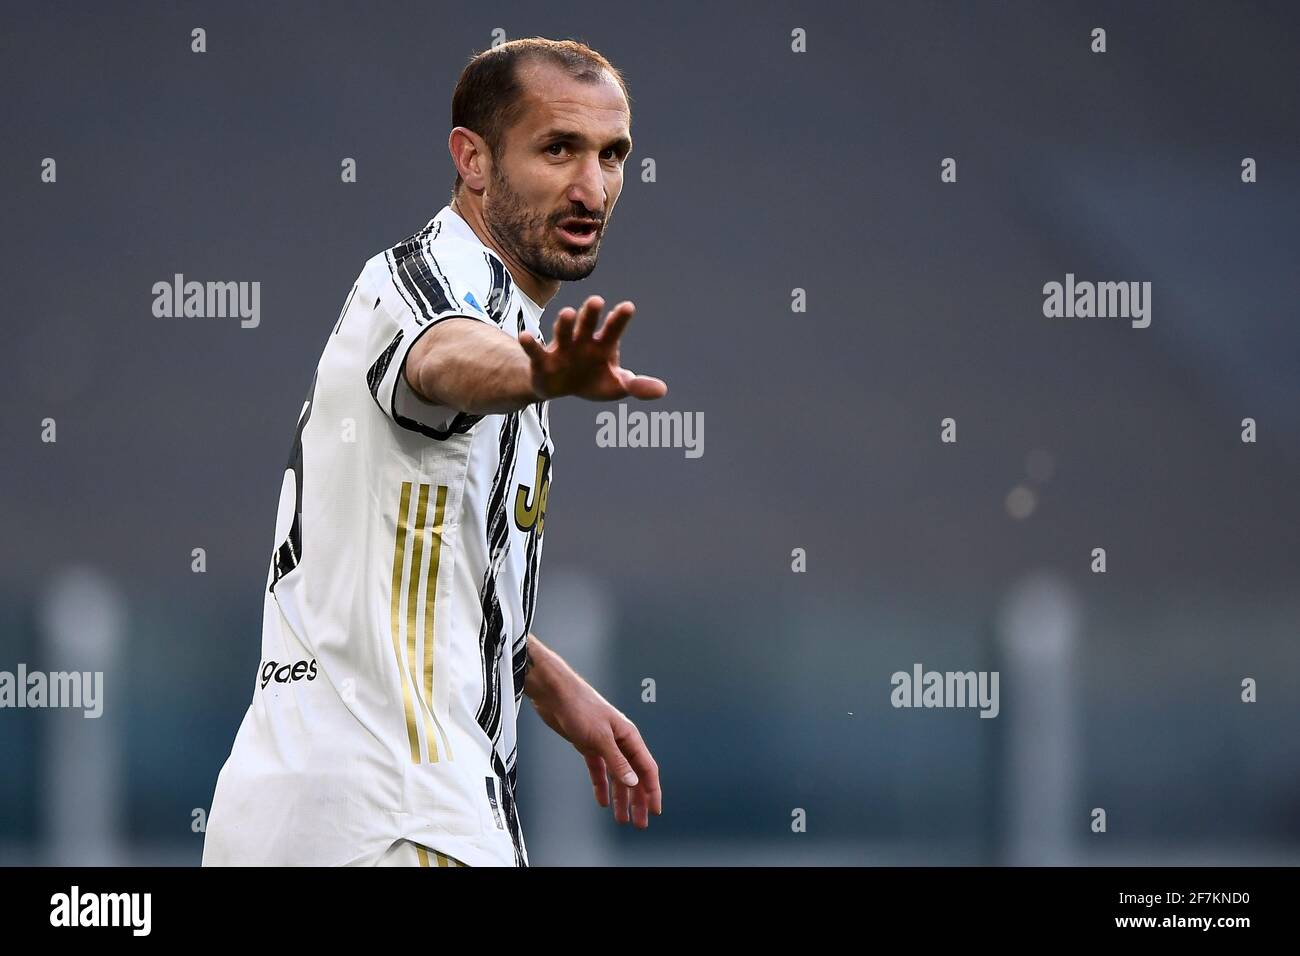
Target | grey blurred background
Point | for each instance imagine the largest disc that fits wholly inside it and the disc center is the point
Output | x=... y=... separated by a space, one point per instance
x=775 y=170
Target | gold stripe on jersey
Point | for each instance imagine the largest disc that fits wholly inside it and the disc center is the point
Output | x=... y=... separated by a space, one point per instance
x=430 y=603
x=414 y=697
x=399 y=565
x=423 y=856
x=412 y=608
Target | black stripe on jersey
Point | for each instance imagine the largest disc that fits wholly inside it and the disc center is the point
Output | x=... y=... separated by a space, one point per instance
x=518 y=661
x=339 y=324
x=532 y=561
x=544 y=416
x=529 y=594
x=394 y=256
x=492 y=631
x=423 y=285
x=528 y=601
x=452 y=304
x=377 y=371
x=459 y=425
x=508 y=776
x=499 y=295
x=289 y=553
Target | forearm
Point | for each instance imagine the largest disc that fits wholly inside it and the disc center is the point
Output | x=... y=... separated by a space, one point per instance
x=472 y=367
x=547 y=672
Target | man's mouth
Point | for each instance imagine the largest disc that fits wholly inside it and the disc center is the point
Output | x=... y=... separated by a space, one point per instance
x=579 y=232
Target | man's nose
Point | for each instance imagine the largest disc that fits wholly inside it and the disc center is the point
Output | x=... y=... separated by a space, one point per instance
x=589 y=188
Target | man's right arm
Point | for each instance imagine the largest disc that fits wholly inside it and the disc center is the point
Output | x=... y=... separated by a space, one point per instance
x=480 y=370
x=470 y=366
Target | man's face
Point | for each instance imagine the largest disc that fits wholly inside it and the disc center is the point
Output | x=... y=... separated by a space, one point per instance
x=559 y=173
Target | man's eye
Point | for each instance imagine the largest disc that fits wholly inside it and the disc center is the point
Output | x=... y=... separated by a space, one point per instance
x=554 y=146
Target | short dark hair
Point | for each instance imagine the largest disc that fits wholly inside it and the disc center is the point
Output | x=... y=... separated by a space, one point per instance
x=488 y=94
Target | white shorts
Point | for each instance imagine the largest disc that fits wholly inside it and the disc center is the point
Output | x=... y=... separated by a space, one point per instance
x=406 y=853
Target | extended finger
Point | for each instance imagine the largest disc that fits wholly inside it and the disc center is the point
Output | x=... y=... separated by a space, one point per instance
x=640 y=812
x=563 y=330
x=616 y=322
x=621 y=794
x=588 y=316
x=599 y=782
x=638 y=756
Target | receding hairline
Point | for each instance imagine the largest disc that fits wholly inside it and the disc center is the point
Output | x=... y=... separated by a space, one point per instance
x=516 y=65
x=528 y=88
x=537 y=61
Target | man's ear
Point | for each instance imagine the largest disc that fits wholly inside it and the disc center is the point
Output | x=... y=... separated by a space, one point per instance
x=469 y=153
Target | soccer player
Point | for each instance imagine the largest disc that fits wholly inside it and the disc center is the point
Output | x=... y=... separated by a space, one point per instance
x=396 y=644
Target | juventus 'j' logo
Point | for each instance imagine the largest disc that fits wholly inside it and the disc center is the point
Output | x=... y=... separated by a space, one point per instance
x=530 y=503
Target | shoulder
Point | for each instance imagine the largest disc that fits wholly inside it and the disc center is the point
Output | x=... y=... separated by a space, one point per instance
x=470 y=269
x=443 y=269
x=459 y=258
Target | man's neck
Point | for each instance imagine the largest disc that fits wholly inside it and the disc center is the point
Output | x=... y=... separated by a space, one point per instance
x=541 y=291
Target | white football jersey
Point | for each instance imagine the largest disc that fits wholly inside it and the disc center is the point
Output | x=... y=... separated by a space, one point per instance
x=400 y=592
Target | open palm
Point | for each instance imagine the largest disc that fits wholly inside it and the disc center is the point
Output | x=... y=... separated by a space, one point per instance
x=582 y=358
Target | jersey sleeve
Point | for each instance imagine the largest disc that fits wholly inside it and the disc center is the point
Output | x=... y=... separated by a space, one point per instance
x=419 y=285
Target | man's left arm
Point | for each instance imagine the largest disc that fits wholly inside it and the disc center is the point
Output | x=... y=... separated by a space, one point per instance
x=609 y=742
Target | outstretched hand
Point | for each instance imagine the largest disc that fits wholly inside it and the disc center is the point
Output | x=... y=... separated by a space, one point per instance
x=582 y=358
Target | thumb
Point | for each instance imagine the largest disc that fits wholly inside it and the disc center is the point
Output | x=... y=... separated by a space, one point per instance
x=641 y=386
x=617 y=764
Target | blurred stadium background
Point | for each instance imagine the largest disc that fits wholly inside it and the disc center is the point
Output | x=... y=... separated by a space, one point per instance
x=774 y=171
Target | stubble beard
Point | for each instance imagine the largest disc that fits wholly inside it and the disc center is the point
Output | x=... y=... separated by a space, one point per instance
x=531 y=237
